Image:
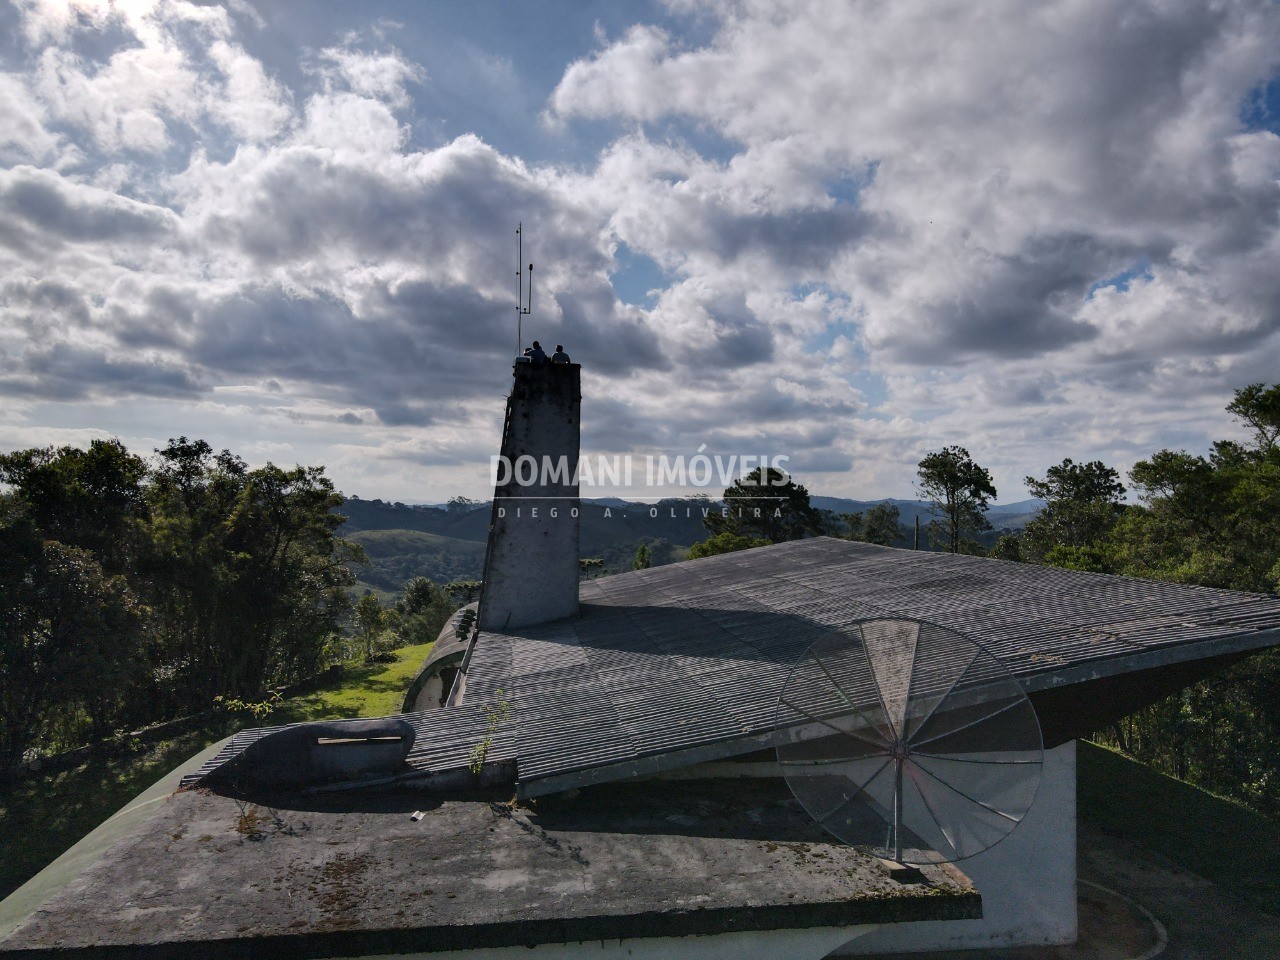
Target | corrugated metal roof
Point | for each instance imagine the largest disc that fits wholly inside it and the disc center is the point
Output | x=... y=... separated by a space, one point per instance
x=677 y=664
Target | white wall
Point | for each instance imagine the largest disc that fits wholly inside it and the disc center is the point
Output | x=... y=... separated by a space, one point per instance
x=1027 y=881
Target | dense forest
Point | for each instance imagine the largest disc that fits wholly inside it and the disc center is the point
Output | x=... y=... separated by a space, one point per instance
x=137 y=591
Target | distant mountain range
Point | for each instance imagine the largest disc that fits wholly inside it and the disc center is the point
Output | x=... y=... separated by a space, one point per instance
x=1012 y=515
x=447 y=541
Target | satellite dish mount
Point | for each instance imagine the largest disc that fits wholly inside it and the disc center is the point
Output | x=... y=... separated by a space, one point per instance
x=524 y=293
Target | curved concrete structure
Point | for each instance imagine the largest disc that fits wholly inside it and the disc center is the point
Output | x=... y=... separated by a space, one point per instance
x=431 y=686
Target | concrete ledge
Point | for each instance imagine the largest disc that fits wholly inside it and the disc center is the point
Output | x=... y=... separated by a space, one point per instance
x=358 y=876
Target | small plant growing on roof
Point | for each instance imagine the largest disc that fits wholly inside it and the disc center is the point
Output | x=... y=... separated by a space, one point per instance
x=497 y=711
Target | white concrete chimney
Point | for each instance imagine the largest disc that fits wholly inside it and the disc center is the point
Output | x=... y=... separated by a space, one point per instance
x=531 y=566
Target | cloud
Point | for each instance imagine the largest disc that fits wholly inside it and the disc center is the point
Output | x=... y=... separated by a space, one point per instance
x=65 y=371
x=23 y=134
x=1018 y=158
x=126 y=103
x=39 y=201
x=380 y=76
x=179 y=70
x=875 y=230
x=251 y=103
x=965 y=178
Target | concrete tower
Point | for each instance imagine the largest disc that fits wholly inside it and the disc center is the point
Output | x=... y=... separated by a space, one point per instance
x=531 y=566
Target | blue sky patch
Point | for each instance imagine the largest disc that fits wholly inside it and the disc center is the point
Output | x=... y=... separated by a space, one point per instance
x=1141 y=270
x=636 y=276
x=873 y=388
x=848 y=187
x=823 y=341
x=1261 y=109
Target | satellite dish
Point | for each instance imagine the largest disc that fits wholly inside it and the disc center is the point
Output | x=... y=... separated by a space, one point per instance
x=910 y=739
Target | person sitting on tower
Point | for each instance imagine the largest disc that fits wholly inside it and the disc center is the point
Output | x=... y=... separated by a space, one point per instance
x=559 y=356
x=537 y=354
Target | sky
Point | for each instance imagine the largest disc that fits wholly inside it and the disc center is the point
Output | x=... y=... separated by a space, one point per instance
x=847 y=233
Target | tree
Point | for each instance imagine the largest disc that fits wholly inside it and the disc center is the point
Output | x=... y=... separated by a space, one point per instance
x=878 y=525
x=725 y=542
x=766 y=504
x=960 y=490
x=68 y=635
x=1203 y=520
x=246 y=570
x=1083 y=502
x=882 y=524
x=1259 y=407
x=1071 y=482
x=1008 y=546
x=92 y=499
x=419 y=594
x=855 y=526
x=175 y=581
x=1212 y=520
x=369 y=621
x=289 y=566
x=423 y=610
x=641 y=561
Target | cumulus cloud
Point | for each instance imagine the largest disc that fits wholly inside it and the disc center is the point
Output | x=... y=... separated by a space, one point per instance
x=969 y=179
x=42 y=202
x=125 y=103
x=251 y=103
x=379 y=76
x=363 y=284
x=24 y=136
x=876 y=229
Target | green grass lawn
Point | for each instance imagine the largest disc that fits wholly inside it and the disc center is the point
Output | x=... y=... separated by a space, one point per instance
x=1218 y=839
x=370 y=690
x=47 y=814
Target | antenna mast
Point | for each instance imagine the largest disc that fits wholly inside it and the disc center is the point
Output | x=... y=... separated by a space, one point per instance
x=524 y=302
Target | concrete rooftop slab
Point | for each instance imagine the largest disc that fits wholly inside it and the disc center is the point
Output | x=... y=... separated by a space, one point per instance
x=357 y=875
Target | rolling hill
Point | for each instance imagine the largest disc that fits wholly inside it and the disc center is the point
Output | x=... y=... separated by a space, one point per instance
x=395 y=556
x=448 y=542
